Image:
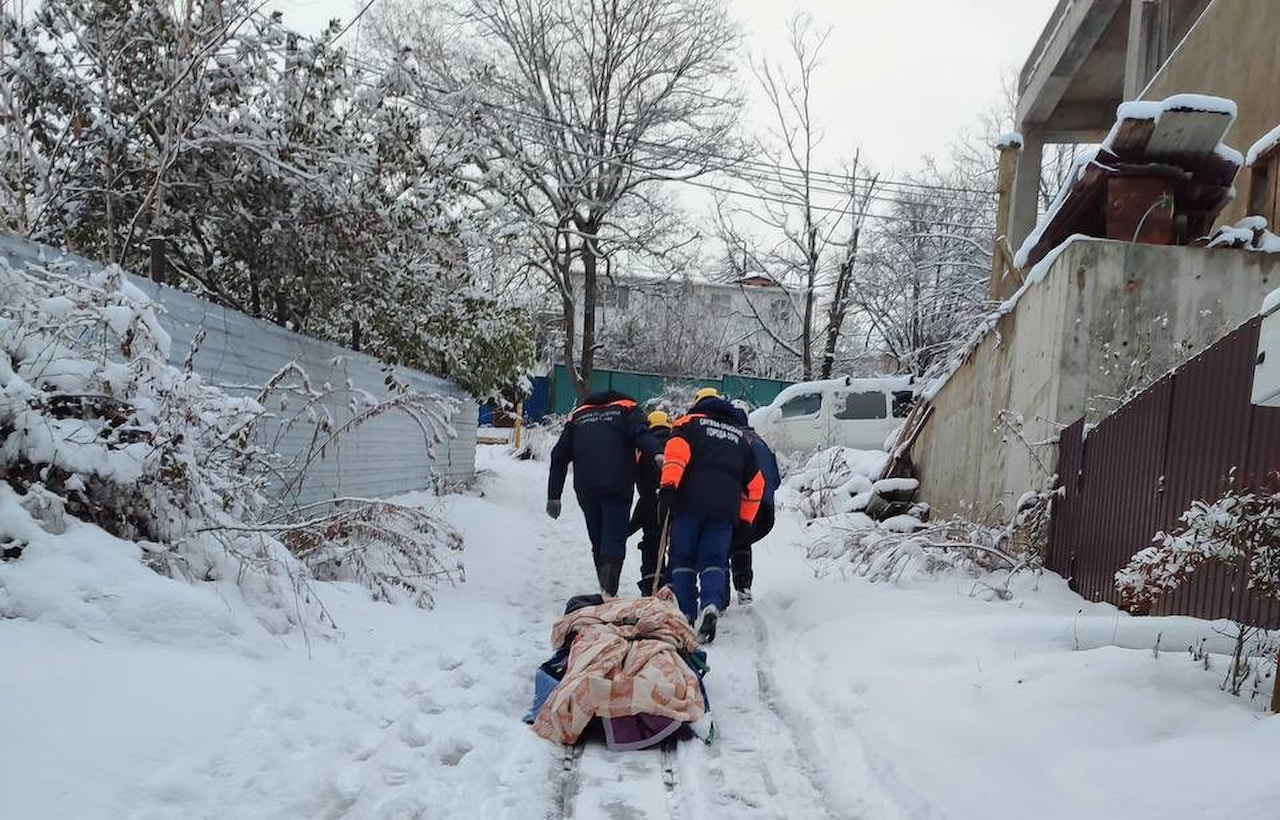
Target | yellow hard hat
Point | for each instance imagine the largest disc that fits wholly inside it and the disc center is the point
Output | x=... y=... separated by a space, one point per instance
x=706 y=393
x=659 y=419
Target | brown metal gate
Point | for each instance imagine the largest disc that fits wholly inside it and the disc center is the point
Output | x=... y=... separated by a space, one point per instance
x=1140 y=468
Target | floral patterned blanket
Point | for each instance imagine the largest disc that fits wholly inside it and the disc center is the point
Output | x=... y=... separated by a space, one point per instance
x=624 y=660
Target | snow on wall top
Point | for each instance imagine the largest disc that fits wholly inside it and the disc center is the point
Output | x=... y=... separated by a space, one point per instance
x=988 y=323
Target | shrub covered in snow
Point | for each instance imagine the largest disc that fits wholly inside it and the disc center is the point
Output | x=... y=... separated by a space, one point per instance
x=97 y=426
x=379 y=545
x=93 y=417
x=902 y=547
x=1240 y=526
x=538 y=441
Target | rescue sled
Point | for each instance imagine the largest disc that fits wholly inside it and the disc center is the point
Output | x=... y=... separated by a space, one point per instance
x=632 y=664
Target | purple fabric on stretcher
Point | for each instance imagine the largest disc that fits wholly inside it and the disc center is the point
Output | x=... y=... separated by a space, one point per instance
x=624 y=734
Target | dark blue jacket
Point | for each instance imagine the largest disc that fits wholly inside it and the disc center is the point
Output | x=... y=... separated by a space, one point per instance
x=601 y=440
x=768 y=464
x=712 y=465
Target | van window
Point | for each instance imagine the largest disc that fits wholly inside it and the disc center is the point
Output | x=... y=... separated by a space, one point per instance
x=863 y=406
x=806 y=404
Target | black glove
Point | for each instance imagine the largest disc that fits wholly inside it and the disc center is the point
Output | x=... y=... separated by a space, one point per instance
x=666 y=495
x=742 y=533
x=553 y=507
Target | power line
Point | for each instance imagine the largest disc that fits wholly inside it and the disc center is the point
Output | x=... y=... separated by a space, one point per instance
x=757 y=165
x=773 y=197
x=352 y=21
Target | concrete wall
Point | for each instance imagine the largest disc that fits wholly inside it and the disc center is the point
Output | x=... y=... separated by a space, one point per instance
x=1231 y=52
x=1108 y=319
x=383 y=457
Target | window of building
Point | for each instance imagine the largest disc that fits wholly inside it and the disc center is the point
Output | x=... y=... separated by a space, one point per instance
x=857 y=406
x=615 y=296
x=780 y=310
x=806 y=404
x=720 y=304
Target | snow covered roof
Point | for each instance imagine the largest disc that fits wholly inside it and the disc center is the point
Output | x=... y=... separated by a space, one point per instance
x=1178 y=139
x=884 y=383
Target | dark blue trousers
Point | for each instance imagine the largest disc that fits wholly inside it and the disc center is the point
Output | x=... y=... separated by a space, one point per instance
x=699 y=561
x=608 y=519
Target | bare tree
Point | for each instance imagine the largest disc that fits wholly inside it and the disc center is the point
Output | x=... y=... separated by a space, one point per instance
x=789 y=235
x=581 y=109
x=923 y=281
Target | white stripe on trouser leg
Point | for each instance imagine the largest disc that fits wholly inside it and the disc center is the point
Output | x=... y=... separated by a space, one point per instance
x=682 y=570
x=711 y=569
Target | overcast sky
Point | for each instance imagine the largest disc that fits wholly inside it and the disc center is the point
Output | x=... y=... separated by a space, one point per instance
x=900 y=78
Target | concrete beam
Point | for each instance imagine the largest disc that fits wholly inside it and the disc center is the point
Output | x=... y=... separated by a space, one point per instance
x=1078 y=121
x=1079 y=31
x=1026 y=189
x=1137 y=58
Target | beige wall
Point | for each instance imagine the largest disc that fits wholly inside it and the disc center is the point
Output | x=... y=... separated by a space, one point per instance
x=1233 y=52
x=1067 y=352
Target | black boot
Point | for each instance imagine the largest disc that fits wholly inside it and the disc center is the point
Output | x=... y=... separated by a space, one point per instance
x=608 y=576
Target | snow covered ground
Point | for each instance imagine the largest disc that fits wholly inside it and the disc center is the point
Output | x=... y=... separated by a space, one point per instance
x=833 y=698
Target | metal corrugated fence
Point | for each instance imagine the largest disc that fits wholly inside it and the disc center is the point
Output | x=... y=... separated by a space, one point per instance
x=1140 y=468
x=383 y=457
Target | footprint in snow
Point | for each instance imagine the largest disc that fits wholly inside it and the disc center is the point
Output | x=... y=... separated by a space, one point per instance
x=452 y=753
x=415 y=732
x=401 y=809
x=395 y=776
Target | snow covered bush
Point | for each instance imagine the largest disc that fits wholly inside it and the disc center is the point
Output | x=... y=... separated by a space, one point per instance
x=1240 y=526
x=538 y=440
x=97 y=427
x=903 y=547
x=379 y=545
x=94 y=419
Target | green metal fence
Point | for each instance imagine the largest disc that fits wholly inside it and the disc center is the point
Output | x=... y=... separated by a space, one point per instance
x=645 y=386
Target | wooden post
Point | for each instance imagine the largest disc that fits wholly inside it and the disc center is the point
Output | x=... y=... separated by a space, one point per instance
x=1009 y=149
x=519 y=425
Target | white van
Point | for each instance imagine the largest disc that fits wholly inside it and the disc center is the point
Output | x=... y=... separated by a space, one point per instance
x=848 y=412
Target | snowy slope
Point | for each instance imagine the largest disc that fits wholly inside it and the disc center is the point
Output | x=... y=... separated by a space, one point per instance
x=833 y=699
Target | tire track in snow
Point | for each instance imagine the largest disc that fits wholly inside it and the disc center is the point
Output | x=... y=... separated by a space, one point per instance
x=757 y=767
x=767 y=687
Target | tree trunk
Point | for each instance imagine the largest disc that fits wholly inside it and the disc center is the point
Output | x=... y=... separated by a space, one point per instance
x=590 y=279
x=839 y=306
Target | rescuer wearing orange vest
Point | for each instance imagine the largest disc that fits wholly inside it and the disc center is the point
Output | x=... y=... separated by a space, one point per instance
x=709 y=483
